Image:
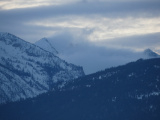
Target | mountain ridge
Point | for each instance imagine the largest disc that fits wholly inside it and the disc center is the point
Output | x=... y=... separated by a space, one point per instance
x=27 y=70
x=126 y=92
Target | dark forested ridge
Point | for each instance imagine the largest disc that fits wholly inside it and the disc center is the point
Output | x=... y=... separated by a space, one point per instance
x=128 y=92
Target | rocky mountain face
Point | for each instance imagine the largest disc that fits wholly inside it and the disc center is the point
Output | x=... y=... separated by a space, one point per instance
x=128 y=92
x=27 y=70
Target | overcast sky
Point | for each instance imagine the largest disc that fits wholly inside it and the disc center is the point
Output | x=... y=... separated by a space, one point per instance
x=132 y=25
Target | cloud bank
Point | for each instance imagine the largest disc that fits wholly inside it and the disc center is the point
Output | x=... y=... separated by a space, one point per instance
x=92 y=57
x=106 y=19
x=111 y=32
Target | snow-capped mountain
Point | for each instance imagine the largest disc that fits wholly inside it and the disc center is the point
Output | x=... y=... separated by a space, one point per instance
x=27 y=70
x=46 y=45
x=151 y=54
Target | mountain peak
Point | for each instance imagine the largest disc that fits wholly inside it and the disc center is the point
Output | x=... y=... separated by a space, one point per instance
x=46 y=45
x=26 y=70
x=150 y=53
x=9 y=39
x=6 y=34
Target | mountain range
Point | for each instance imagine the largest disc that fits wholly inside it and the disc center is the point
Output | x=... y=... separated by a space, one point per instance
x=27 y=70
x=86 y=54
x=35 y=84
x=127 y=92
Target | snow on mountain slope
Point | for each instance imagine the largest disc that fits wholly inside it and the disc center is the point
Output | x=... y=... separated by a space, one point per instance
x=46 y=45
x=151 y=54
x=27 y=70
x=127 y=92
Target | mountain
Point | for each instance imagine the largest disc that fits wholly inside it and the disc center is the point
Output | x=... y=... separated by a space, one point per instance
x=127 y=92
x=46 y=45
x=27 y=70
x=151 y=54
x=91 y=55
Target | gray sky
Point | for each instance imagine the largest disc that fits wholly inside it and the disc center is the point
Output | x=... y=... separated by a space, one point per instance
x=97 y=20
x=126 y=25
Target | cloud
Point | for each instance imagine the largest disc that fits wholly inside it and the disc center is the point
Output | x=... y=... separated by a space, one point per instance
x=94 y=34
x=97 y=28
x=92 y=57
x=110 y=9
x=14 y=4
x=108 y=19
x=136 y=42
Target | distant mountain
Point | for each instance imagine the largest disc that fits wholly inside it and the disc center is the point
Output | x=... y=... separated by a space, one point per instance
x=58 y=46
x=46 y=45
x=149 y=53
x=128 y=92
x=91 y=56
x=27 y=70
